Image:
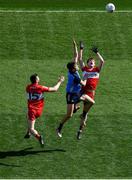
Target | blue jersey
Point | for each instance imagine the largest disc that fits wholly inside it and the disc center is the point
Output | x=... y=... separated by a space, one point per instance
x=73 y=84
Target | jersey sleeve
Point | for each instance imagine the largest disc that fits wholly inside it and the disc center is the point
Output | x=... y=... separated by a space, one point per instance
x=97 y=69
x=84 y=68
x=44 y=89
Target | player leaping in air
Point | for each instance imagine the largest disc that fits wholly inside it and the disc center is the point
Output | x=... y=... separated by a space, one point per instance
x=91 y=74
x=35 y=95
x=73 y=90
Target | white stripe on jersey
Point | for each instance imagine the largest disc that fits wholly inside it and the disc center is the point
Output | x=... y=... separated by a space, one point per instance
x=87 y=75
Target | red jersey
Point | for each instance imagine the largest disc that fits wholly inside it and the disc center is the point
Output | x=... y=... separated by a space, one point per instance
x=35 y=96
x=92 y=76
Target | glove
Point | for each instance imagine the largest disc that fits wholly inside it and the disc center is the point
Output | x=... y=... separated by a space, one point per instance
x=81 y=45
x=95 y=49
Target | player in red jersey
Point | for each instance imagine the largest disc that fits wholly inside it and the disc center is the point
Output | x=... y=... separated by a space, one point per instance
x=35 y=96
x=91 y=74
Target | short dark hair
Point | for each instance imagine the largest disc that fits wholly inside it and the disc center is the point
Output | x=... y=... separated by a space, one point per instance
x=71 y=65
x=33 y=78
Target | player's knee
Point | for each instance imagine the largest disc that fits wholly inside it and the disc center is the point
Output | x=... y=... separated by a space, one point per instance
x=86 y=99
x=31 y=130
x=93 y=102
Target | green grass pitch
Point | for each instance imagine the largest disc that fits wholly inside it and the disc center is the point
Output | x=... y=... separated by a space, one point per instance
x=42 y=42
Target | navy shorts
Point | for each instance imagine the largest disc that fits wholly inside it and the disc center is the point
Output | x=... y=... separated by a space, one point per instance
x=73 y=98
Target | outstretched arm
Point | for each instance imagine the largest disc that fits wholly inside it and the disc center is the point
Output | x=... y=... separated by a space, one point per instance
x=101 y=60
x=80 y=55
x=56 y=87
x=75 y=59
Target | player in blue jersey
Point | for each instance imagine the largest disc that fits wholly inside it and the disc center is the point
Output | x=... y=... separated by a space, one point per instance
x=73 y=89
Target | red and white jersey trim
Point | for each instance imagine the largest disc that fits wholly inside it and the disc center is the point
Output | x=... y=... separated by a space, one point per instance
x=87 y=75
x=92 y=77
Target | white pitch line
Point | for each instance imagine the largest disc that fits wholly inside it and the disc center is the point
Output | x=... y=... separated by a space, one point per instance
x=62 y=11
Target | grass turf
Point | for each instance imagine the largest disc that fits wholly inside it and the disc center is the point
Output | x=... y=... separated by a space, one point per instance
x=41 y=42
x=63 y=4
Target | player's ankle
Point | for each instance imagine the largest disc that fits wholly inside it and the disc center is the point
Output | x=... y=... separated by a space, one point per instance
x=60 y=127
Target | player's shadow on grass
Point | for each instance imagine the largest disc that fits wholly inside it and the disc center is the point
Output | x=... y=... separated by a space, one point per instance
x=26 y=152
